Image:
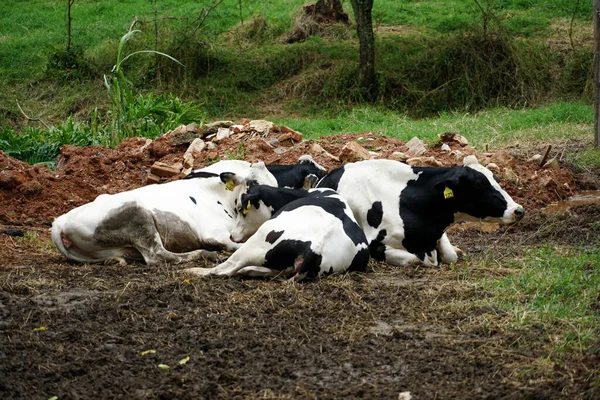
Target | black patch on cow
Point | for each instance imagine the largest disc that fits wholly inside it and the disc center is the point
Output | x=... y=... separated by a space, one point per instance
x=332 y=179
x=273 y=236
x=200 y=174
x=426 y=213
x=360 y=261
x=332 y=206
x=377 y=248
x=292 y=176
x=375 y=214
x=284 y=254
x=193 y=200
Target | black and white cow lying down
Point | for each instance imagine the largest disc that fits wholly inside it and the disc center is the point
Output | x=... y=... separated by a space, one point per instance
x=307 y=233
x=288 y=176
x=173 y=222
x=404 y=211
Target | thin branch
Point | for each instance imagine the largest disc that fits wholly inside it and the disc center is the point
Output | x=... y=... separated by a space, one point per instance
x=571 y=25
x=31 y=119
x=200 y=20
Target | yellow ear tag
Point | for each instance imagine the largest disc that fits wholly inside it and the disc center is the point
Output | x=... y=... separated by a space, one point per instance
x=248 y=207
x=448 y=193
x=230 y=185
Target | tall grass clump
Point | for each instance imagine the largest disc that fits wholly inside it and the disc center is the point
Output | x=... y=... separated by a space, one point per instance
x=132 y=115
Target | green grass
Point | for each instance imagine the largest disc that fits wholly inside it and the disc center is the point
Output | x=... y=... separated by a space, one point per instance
x=500 y=126
x=555 y=289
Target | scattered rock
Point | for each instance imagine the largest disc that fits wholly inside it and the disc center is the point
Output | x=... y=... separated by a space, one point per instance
x=260 y=126
x=210 y=146
x=317 y=149
x=551 y=164
x=213 y=127
x=416 y=147
x=399 y=156
x=493 y=167
x=222 y=133
x=424 y=162
x=445 y=147
x=151 y=178
x=353 y=152
x=536 y=158
x=165 y=170
x=502 y=157
x=453 y=137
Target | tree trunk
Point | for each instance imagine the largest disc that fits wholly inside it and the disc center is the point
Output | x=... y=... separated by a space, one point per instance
x=596 y=74
x=366 y=37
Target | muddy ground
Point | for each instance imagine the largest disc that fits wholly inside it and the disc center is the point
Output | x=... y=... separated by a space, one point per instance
x=105 y=331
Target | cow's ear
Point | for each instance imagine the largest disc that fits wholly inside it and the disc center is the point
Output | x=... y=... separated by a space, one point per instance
x=451 y=185
x=310 y=181
x=231 y=180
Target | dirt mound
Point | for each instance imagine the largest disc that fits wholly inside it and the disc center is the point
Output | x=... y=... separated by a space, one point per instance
x=35 y=195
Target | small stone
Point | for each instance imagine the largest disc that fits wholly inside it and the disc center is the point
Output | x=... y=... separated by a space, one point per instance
x=210 y=146
x=493 y=167
x=151 y=178
x=445 y=147
x=317 y=149
x=399 y=156
x=222 y=133
x=196 y=148
x=416 y=147
x=213 y=127
x=165 y=170
x=453 y=137
x=551 y=164
x=536 y=158
x=353 y=152
x=424 y=162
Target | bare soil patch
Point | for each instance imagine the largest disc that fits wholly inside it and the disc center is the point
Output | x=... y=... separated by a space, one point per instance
x=83 y=331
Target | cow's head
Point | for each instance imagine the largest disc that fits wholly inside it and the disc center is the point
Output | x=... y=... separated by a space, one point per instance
x=251 y=212
x=478 y=196
x=315 y=168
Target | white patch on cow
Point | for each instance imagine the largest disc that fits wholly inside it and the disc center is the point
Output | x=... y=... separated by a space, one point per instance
x=389 y=178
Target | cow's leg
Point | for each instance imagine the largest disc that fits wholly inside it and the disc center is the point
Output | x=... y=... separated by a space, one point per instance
x=258 y=272
x=155 y=253
x=134 y=226
x=448 y=253
x=249 y=255
x=400 y=257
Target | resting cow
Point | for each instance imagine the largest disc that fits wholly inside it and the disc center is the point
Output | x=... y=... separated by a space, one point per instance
x=309 y=233
x=173 y=222
x=287 y=176
x=404 y=211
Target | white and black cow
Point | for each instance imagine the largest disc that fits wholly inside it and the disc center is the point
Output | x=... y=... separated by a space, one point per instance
x=307 y=233
x=173 y=222
x=288 y=176
x=404 y=211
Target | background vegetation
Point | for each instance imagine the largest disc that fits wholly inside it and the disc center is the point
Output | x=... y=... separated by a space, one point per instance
x=462 y=64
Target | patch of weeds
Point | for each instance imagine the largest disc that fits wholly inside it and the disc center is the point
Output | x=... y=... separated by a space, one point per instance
x=557 y=288
x=238 y=154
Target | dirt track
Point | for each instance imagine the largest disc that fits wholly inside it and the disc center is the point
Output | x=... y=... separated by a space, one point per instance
x=84 y=331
